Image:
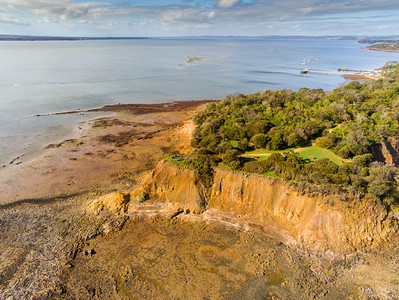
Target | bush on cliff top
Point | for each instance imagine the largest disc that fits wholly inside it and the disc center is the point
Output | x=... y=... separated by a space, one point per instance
x=350 y=121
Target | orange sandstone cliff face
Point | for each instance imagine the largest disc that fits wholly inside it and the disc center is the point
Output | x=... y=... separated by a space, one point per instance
x=176 y=185
x=321 y=223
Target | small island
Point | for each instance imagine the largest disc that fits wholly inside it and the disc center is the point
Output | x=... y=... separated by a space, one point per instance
x=195 y=58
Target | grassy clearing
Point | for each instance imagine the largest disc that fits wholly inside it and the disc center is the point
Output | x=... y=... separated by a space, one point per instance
x=259 y=158
x=264 y=151
x=315 y=153
x=270 y=174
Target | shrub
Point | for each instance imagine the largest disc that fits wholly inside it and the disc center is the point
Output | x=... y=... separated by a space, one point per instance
x=223 y=147
x=344 y=152
x=232 y=158
x=141 y=197
x=259 y=140
x=324 y=142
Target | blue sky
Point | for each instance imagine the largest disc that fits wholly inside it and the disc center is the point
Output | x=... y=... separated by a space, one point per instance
x=193 y=17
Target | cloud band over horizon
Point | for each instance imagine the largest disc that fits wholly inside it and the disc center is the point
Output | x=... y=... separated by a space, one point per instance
x=192 y=17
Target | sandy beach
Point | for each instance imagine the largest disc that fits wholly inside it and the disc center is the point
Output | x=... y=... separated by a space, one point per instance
x=361 y=77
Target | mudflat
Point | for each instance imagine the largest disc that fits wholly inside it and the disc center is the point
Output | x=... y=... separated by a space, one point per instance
x=43 y=201
x=110 y=154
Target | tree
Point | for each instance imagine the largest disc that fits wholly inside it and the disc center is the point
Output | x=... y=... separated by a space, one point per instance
x=324 y=142
x=260 y=126
x=232 y=159
x=223 y=147
x=353 y=85
x=243 y=144
x=260 y=140
x=276 y=140
x=293 y=139
x=357 y=142
x=344 y=152
x=382 y=183
x=363 y=160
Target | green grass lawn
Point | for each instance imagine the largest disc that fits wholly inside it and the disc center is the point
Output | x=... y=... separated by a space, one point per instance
x=259 y=158
x=315 y=152
x=264 y=151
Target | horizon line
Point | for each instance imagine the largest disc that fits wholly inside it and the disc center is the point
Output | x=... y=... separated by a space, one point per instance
x=49 y=37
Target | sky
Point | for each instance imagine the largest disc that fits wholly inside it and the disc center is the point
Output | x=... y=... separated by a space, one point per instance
x=158 y=18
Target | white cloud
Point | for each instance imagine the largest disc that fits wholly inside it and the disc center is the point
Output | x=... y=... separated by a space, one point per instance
x=6 y=19
x=188 y=15
x=62 y=9
x=227 y=3
x=219 y=17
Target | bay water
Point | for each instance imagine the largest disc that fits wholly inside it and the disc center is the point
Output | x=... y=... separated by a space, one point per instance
x=42 y=78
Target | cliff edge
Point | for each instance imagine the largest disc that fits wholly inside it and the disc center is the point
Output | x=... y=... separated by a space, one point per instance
x=274 y=206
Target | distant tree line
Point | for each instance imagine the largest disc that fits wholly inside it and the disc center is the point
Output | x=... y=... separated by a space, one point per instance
x=385 y=46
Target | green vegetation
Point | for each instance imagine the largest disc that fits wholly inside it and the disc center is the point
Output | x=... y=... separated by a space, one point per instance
x=316 y=152
x=141 y=197
x=264 y=151
x=270 y=174
x=383 y=46
x=346 y=127
x=203 y=164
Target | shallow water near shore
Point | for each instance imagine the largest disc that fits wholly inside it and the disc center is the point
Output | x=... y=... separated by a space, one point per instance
x=47 y=77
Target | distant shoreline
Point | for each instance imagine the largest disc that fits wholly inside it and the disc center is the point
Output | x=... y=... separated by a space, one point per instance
x=28 y=38
x=382 y=50
x=364 y=40
x=138 y=108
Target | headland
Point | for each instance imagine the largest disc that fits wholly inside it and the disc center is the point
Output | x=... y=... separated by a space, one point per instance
x=116 y=213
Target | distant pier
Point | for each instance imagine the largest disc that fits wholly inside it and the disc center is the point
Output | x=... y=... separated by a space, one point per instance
x=325 y=73
x=362 y=75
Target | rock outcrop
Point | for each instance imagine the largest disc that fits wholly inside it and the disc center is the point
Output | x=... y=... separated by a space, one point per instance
x=321 y=223
x=115 y=202
x=387 y=151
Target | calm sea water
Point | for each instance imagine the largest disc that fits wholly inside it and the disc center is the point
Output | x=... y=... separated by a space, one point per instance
x=47 y=77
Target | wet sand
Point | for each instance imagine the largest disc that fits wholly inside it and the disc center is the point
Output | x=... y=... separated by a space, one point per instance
x=111 y=153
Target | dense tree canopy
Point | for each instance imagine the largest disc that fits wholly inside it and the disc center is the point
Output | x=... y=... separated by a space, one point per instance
x=349 y=121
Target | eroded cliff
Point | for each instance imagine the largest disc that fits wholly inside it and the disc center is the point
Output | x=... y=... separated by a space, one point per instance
x=387 y=151
x=320 y=223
